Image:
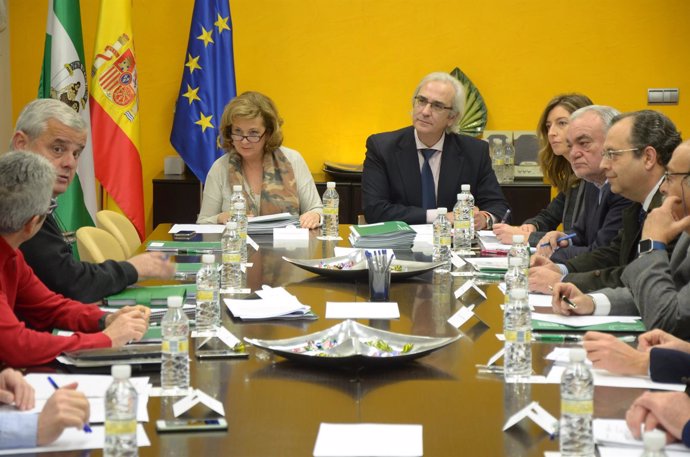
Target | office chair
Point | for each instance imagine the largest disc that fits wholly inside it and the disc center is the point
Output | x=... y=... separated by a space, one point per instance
x=121 y=228
x=96 y=245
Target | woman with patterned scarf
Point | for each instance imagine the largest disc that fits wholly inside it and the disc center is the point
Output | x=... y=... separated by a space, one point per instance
x=275 y=179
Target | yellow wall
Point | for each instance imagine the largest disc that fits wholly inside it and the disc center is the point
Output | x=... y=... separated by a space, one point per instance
x=340 y=70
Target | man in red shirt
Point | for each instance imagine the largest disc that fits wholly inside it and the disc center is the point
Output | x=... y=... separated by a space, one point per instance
x=28 y=309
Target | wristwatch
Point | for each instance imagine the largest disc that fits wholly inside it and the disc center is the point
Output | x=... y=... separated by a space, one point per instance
x=650 y=245
x=489 y=221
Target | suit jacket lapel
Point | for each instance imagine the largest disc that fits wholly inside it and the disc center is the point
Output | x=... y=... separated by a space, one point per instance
x=449 y=176
x=408 y=167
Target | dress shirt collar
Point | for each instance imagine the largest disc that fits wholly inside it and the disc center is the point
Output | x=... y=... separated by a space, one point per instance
x=650 y=195
x=437 y=146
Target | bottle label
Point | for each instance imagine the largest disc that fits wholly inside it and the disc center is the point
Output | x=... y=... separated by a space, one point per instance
x=578 y=407
x=120 y=427
x=243 y=235
x=462 y=225
x=517 y=336
x=330 y=211
x=175 y=346
x=204 y=294
x=444 y=240
x=498 y=162
x=228 y=258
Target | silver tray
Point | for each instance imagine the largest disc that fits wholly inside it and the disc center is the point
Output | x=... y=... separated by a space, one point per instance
x=354 y=266
x=353 y=344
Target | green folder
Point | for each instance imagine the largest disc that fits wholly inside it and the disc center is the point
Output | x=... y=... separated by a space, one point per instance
x=150 y=295
x=636 y=326
x=188 y=267
x=194 y=247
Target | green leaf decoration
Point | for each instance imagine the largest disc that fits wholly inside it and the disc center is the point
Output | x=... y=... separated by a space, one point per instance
x=473 y=120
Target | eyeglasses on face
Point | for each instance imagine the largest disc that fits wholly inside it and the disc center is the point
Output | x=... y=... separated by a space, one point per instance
x=421 y=101
x=51 y=207
x=253 y=138
x=668 y=176
x=612 y=154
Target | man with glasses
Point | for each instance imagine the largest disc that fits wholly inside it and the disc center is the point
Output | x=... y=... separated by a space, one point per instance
x=28 y=310
x=55 y=131
x=638 y=147
x=600 y=220
x=411 y=172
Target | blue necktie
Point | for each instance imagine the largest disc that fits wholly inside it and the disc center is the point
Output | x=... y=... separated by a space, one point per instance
x=428 y=188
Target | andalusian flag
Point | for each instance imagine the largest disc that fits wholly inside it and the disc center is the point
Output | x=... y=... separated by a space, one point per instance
x=115 y=111
x=64 y=78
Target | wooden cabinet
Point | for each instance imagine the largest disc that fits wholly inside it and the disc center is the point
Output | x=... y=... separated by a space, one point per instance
x=176 y=198
x=526 y=198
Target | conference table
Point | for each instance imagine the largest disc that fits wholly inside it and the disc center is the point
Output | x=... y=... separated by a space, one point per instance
x=274 y=407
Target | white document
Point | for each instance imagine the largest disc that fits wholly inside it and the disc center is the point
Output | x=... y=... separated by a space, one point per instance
x=93 y=386
x=534 y=300
x=362 y=310
x=562 y=356
x=608 y=379
x=609 y=451
x=461 y=316
x=339 y=251
x=264 y=308
x=73 y=439
x=290 y=233
x=616 y=432
x=583 y=321
x=369 y=440
x=198 y=228
x=269 y=218
x=488 y=262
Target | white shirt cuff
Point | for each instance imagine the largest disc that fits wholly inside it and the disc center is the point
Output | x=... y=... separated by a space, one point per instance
x=564 y=270
x=431 y=215
x=602 y=304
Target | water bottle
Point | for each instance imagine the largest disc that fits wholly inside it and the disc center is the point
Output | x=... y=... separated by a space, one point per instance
x=175 y=349
x=498 y=159
x=239 y=216
x=237 y=196
x=231 y=271
x=121 y=415
x=509 y=162
x=577 y=392
x=331 y=200
x=654 y=442
x=465 y=189
x=463 y=221
x=515 y=277
x=521 y=251
x=207 y=313
x=517 y=329
x=442 y=240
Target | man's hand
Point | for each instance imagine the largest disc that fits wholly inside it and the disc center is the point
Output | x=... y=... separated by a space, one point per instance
x=15 y=389
x=309 y=220
x=153 y=265
x=479 y=219
x=144 y=311
x=505 y=232
x=65 y=408
x=659 y=338
x=608 y=352
x=583 y=302
x=542 y=279
x=127 y=326
x=551 y=238
x=662 y=225
x=671 y=410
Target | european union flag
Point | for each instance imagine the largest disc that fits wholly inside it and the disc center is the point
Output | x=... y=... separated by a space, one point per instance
x=208 y=84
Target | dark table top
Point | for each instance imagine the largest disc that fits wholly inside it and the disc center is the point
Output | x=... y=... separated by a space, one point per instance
x=274 y=407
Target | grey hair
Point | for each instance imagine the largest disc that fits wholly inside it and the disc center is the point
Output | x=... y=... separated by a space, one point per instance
x=34 y=117
x=605 y=113
x=458 y=102
x=26 y=187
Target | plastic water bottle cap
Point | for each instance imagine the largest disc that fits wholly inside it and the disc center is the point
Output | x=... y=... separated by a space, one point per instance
x=121 y=371
x=232 y=225
x=459 y=196
x=518 y=294
x=578 y=354
x=175 y=302
x=518 y=239
x=237 y=188
x=330 y=185
x=210 y=258
x=654 y=440
x=465 y=187
x=442 y=210
x=515 y=262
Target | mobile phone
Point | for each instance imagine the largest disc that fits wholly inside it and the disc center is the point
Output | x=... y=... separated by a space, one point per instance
x=183 y=235
x=191 y=425
x=203 y=354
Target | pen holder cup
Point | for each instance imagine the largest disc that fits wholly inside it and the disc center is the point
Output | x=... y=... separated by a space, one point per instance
x=379 y=284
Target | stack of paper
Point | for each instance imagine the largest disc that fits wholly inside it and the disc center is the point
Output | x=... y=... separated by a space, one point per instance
x=264 y=225
x=188 y=247
x=584 y=323
x=613 y=438
x=275 y=303
x=391 y=234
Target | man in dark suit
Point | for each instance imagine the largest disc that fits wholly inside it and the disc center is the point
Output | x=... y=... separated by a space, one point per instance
x=411 y=172
x=635 y=172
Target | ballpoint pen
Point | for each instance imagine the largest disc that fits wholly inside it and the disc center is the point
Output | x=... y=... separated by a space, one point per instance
x=570 y=303
x=563 y=238
x=52 y=382
x=504 y=219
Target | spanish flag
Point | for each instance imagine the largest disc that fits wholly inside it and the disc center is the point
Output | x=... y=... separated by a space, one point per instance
x=115 y=111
